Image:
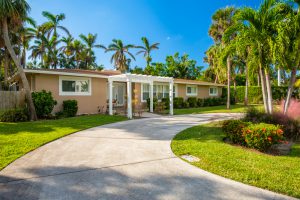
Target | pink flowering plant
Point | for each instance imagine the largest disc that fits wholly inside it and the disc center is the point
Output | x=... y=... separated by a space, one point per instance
x=262 y=136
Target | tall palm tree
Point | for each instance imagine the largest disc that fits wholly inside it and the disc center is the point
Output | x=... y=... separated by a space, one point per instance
x=12 y=15
x=119 y=56
x=90 y=43
x=54 y=23
x=259 y=26
x=146 y=49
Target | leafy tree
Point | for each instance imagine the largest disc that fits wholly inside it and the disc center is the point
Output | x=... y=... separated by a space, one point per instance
x=147 y=49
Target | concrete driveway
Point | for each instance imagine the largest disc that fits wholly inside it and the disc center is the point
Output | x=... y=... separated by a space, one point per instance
x=126 y=160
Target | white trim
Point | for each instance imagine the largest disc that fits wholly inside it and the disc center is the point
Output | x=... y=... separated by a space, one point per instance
x=140 y=78
x=191 y=94
x=155 y=84
x=63 y=73
x=200 y=83
x=70 y=78
x=176 y=90
x=216 y=94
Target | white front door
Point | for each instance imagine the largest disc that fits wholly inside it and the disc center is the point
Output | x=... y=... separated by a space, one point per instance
x=119 y=93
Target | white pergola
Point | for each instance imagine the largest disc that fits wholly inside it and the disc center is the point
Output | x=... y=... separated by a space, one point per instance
x=137 y=78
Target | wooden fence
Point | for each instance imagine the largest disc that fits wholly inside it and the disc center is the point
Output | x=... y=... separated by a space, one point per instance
x=11 y=99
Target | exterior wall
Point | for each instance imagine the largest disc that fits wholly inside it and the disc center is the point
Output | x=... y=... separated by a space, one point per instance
x=203 y=91
x=86 y=104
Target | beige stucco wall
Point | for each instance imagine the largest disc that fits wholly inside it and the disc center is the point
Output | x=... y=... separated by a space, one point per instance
x=203 y=91
x=86 y=104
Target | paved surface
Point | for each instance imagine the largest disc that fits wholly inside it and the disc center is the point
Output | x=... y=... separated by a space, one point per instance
x=126 y=160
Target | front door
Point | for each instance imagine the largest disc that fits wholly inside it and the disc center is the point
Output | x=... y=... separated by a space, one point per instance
x=119 y=93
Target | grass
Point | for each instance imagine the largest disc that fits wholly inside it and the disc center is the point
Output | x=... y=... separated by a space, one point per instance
x=276 y=173
x=17 y=139
x=238 y=108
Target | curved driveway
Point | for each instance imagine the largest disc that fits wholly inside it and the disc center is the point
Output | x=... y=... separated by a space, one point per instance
x=126 y=160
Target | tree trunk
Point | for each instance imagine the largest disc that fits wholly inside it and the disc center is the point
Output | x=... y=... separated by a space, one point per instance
x=279 y=77
x=234 y=90
x=216 y=79
x=246 y=86
x=290 y=91
x=228 y=81
x=263 y=88
x=258 y=79
x=5 y=65
x=20 y=70
x=24 y=58
x=269 y=92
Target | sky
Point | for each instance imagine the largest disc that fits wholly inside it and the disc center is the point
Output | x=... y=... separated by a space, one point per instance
x=178 y=25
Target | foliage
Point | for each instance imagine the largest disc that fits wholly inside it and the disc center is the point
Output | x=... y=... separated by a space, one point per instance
x=70 y=108
x=15 y=115
x=155 y=102
x=233 y=130
x=178 y=102
x=290 y=126
x=262 y=136
x=166 y=101
x=192 y=102
x=44 y=103
x=185 y=104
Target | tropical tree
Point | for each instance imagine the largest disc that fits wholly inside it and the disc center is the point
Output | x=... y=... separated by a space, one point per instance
x=146 y=49
x=119 y=58
x=12 y=17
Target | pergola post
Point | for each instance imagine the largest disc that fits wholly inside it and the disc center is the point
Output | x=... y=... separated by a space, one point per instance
x=171 y=96
x=129 y=99
x=110 y=100
x=151 y=96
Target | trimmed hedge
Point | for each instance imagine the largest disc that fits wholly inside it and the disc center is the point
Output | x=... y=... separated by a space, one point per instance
x=44 y=103
x=15 y=115
x=70 y=108
x=255 y=93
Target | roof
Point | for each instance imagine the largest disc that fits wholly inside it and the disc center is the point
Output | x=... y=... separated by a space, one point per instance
x=196 y=82
x=140 y=78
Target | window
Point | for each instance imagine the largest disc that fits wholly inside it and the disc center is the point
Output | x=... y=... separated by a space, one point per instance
x=191 y=90
x=74 y=86
x=213 y=91
x=159 y=91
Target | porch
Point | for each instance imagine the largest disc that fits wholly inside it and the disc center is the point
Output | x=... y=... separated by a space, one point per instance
x=125 y=95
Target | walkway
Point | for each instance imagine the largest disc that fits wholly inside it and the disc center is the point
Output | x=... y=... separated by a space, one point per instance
x=126 y=160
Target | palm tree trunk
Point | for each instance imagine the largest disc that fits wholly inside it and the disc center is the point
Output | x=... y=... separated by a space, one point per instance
x=258 y=79
x=5 y=65
x=279 y=77
x=234 y=90
x=246 y=86
x=290 y=90
x=13 y=55
x=228 y=81
x=263 y=88
x=269 y=92
x=216 y=79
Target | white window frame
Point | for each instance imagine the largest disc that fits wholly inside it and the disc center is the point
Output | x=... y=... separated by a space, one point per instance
x=175 y=90
x=74 y=78
x=191 y=94
x=213 y=94
x=156 y=84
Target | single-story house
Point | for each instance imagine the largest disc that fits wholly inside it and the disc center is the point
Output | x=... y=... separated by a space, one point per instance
x=108 y=88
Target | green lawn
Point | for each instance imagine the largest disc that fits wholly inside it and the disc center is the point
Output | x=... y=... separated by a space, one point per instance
x=276 y=173
x=17 y=139
x=214 y=109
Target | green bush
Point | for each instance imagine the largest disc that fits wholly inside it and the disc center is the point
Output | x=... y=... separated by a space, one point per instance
x=43 y=103
x=262 y=136
x=15 y=115
x=166 y=101
x=192 y=102
x=233 y=130
x=178 y=102
x=70 y=108
x=200 y=102
x=185 y=104
x=155 y=102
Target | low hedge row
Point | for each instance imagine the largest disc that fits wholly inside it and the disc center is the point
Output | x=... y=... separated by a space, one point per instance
x=255 y=93
x=193 y=102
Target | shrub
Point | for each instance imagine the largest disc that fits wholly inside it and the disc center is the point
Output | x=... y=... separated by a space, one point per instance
x=43 y=103
x=290 y=126
x=166 y=101
x=233 y=130
x=70 y=108
x=192 y=102
x=262 y=136
x=200 y=102
x=185 y=104
x=155 y=102
x=15 y=115
x=178 y=102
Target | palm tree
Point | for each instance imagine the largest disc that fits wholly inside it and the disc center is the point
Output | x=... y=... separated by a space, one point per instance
x=119 y=56
x=146 y=49
x=258 y=25
x=222 y=20
x=13 y=14
x=90 y=43
x=54 y=23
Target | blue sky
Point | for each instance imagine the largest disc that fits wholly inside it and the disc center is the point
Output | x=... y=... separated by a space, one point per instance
x=178 y=25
